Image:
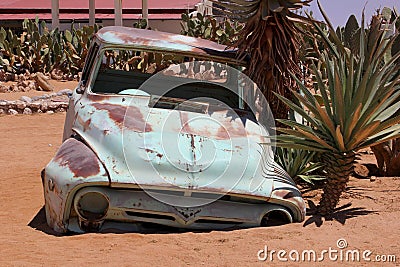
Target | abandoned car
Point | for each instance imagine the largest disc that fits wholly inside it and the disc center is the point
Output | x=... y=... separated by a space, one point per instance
x=158 y=132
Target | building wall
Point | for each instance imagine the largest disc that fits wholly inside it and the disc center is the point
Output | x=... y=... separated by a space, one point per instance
x=170 y=25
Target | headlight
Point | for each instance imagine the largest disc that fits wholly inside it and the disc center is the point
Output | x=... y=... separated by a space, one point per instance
x=91 y=206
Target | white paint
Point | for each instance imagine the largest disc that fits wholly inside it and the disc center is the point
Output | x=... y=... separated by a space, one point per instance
x=118 y=12
x=92 y=12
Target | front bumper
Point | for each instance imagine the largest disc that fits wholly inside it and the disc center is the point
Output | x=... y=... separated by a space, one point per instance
x=130 y=207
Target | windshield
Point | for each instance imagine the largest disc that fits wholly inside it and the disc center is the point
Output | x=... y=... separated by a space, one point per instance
x=128 y=72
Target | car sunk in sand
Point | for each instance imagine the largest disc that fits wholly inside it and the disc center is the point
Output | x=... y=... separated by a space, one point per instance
x=161 y=130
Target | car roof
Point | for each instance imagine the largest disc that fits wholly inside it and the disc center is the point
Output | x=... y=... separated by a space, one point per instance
x=163 y=41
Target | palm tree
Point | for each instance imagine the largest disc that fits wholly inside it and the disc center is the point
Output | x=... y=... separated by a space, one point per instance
x=271 y=37
x=358 y=109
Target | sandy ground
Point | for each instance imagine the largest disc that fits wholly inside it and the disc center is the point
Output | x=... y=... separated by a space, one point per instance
x=368 y=219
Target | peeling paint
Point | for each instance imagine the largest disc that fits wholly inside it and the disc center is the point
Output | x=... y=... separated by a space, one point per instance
x=134 y=120
x=78 y=158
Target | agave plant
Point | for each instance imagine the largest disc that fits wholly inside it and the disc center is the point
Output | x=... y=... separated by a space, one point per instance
x=299 y=164
x=358 y=110
x=271 y=36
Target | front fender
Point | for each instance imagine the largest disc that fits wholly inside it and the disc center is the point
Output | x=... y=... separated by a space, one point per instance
x=74 y=166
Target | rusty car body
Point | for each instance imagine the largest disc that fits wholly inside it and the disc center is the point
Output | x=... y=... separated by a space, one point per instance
x=105 y=175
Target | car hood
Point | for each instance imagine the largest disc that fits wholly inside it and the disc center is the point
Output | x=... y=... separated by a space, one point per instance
x=160 y=148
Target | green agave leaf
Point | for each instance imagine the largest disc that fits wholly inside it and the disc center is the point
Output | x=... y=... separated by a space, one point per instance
x=298 y=141
x=315 y=138
x=351 y=123
x=304 y=132
x=378 y=103
x=297 y=146
x=298 y=109
x=323 y=90
x=384 y=126
x=363 y=134
x=310 y=178
x=339 y=93
x=381 y=138
x=313 y=167
x=387 y=112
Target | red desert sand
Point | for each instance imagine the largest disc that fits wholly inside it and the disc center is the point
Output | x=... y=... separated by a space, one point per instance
x=367 y=221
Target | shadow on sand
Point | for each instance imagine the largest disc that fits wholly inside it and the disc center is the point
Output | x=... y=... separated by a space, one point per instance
x=340 y=214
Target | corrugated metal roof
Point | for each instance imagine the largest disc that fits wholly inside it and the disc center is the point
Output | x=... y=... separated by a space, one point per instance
x=76 y=16
x=79 y=9
x=100 y=4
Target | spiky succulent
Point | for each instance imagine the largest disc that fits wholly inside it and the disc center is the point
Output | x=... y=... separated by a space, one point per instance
x=299 y=164
x=360 y=101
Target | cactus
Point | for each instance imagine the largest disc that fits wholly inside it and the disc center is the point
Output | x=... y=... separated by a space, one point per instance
x=39 y=50
x=220 y=30
x=141 y=24
x=351 y=34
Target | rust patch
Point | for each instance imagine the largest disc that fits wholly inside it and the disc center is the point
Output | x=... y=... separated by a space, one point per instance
x=289 y=195
x=148 y=150
x=78 y=158
x=233 y=131
x=192 y=142
x=131 y=118
x=193 y=147
x=155 y=38
x=93 y=97
x=224 y=132
x=85 y=124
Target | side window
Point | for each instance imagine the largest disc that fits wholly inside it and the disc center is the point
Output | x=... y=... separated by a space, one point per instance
x=89 y=62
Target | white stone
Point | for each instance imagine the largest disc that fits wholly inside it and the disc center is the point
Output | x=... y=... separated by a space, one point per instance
x=27 y=111
x=20 y=105
x=35 y=105
x=65 y=92
x=12 y=112
x=26 y=99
